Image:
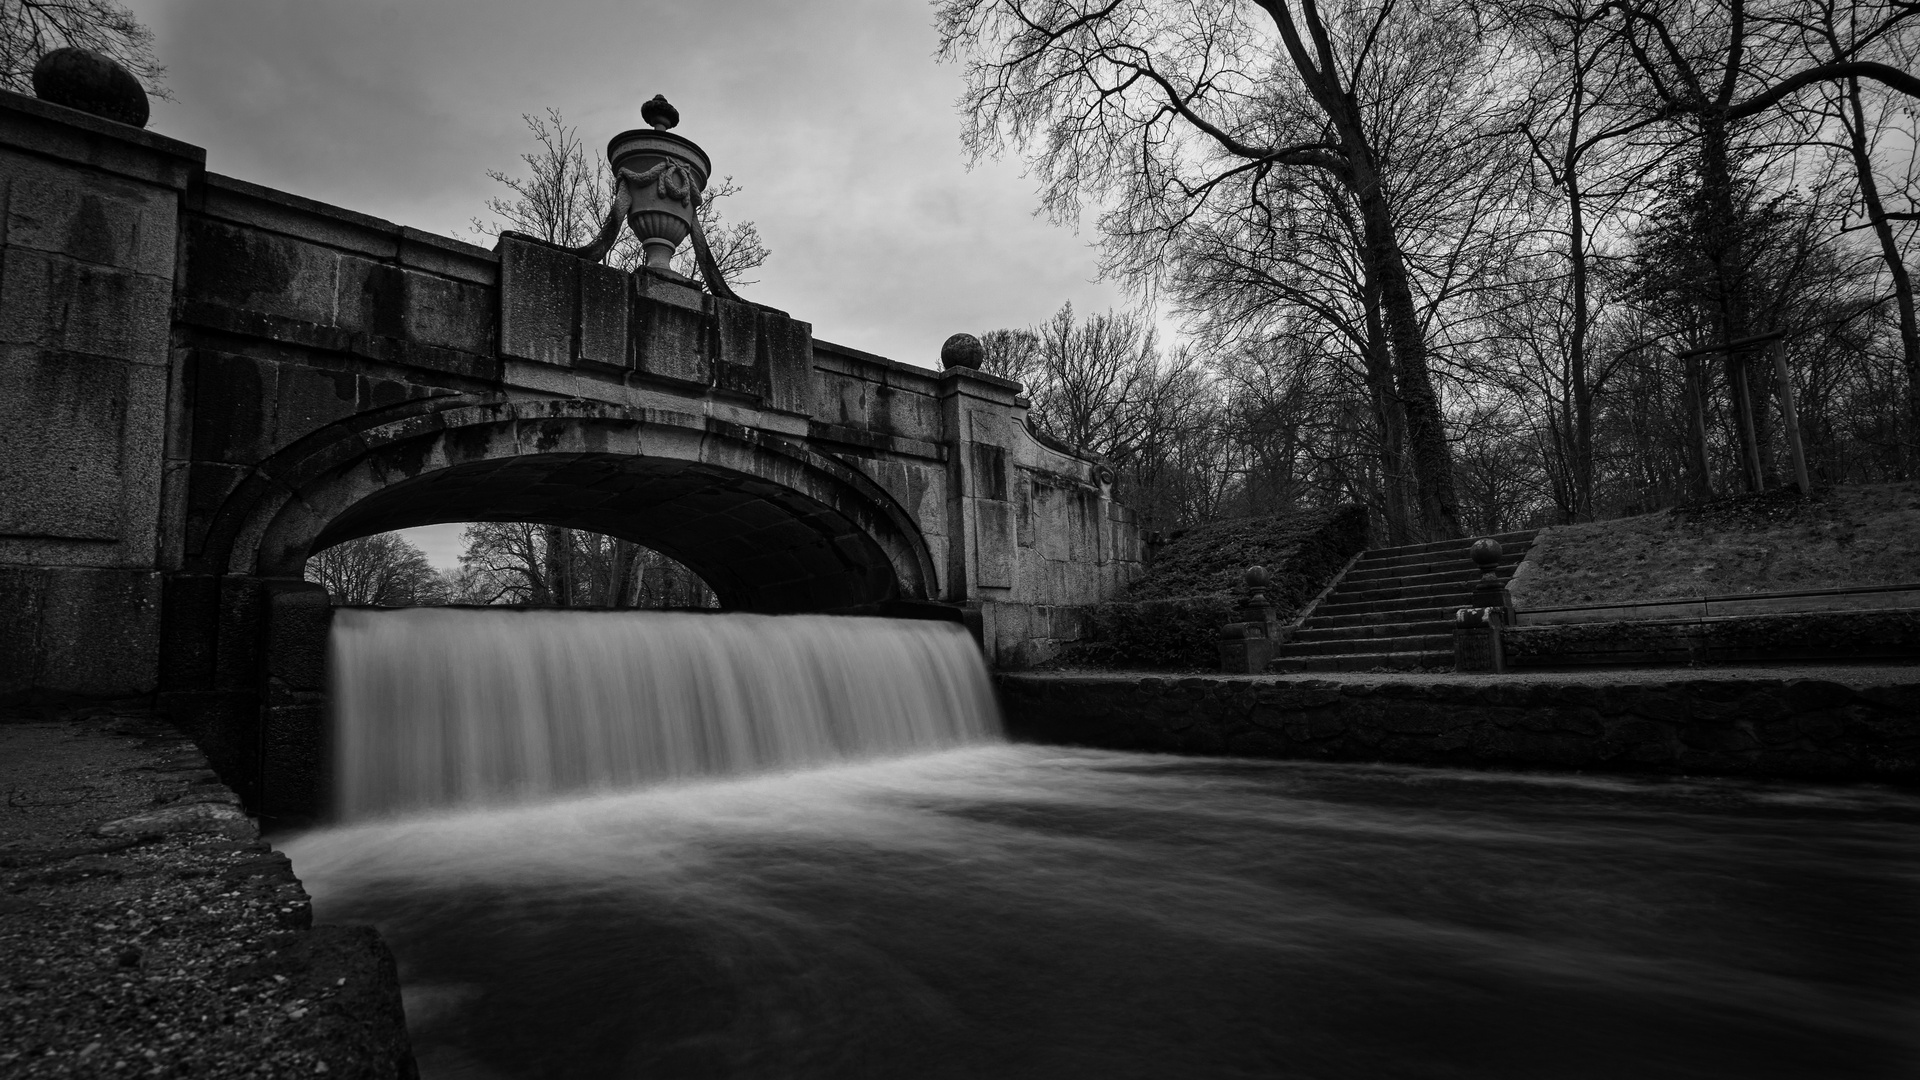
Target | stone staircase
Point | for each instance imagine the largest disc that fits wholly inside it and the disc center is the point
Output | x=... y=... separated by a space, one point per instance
x=1394 y=608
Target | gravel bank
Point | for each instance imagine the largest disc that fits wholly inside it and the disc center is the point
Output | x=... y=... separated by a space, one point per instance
x=146 y=930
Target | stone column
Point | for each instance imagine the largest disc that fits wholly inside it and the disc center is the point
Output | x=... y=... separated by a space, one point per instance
x=1246 y=647
x=88 y=240
x=978 y=414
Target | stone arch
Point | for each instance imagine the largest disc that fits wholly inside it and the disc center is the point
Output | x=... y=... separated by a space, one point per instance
x=770 y=524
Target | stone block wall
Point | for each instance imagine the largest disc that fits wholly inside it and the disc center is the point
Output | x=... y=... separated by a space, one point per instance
x=1812 y=729
x=1023 y=532
x=88 y=243
x=1776 y=638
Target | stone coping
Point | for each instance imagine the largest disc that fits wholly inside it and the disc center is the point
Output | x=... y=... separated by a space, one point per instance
x=1776 y=722
x=243 y=202
x=1844 y=674
x=31 y=124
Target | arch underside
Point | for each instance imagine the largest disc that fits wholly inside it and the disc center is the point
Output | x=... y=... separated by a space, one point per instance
x=772 y=528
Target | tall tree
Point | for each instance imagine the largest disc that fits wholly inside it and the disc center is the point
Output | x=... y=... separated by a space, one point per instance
x=1153 y=105
x=1590 y=179
x=1721 y=70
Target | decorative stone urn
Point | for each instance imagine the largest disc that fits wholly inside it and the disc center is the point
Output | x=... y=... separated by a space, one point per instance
x=1246 y=647
x=663 y=175
x=1489 y=591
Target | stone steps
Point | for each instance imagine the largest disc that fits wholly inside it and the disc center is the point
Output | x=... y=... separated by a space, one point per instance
x=1383 y=615
x=1397 y=597
x=1522 y=538
x=1364 y=571
x=1394 y=608
x=1377 y=631
x=1366 y=661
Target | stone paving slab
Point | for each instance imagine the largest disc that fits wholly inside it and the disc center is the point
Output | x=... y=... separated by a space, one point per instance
x=147 y=930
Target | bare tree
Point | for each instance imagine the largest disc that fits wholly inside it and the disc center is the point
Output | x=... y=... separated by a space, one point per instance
x=1011 y=354
x=546 y=566
x=29 y=29
x=1154 y=107
x=382 y=570
x=1720 y=71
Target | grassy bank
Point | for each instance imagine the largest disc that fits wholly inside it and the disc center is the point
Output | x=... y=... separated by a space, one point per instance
x=1775 y=542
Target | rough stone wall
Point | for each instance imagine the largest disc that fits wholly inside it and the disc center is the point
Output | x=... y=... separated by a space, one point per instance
x=1027 y=535
x=1807 y=728
x=87 y=255
x=294 y=321
x=1776 y=638
x=1045 y=538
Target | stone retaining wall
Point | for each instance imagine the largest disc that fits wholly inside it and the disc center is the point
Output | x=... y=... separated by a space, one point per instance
x=1776 y=638
x=1840 y=728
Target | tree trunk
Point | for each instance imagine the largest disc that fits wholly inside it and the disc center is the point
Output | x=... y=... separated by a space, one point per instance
x=1397 y=513
x=1581 y=434
x=1426 y=430
x=1896 y=269
x=1719 y=233
x=620 y=574
x=559 y=565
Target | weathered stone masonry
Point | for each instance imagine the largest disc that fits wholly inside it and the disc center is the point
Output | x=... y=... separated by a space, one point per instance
x=206 y=380
x=1851 y=726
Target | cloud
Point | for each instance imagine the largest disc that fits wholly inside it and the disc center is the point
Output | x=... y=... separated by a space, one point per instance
x=834 y=118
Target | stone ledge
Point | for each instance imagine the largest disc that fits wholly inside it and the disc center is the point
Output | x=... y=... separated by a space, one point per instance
x=242 y=202
x=1808 y=724
x=397 y=352
x=41 y=127
x=876 y=440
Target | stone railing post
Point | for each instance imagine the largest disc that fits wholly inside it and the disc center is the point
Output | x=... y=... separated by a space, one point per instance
x=1246 y=647
x=1489 y=591
x=1477 y=644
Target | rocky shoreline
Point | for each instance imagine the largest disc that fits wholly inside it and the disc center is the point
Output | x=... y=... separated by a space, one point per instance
x=147 y=930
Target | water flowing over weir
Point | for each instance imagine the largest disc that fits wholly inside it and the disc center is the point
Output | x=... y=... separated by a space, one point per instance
x=441 y=707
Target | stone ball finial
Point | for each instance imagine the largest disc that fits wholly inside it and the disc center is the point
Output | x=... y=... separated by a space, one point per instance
x=659 y=113
x=962 y=350
x=1485 y=552
x=91 y=83
x=1257 y=577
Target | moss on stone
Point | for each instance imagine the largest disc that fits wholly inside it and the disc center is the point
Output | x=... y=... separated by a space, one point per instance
x=1170 y=619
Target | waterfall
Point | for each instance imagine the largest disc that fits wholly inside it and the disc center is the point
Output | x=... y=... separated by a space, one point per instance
x=443 y=707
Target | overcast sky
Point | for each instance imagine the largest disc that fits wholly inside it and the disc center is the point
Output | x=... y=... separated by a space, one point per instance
x=833 y=117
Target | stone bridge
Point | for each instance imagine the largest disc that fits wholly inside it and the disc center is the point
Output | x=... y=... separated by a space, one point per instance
x=206 y=381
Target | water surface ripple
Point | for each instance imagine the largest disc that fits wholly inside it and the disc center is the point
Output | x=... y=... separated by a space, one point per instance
x=1027 y=911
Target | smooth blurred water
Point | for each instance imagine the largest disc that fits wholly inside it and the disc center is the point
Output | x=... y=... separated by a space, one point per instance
x=1025 y=911
x=437 y=706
